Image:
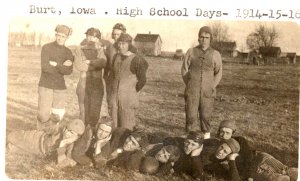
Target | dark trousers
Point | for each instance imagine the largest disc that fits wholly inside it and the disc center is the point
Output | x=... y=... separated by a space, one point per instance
x=92 y=106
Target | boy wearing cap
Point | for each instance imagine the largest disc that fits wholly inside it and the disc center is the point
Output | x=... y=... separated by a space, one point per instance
x=56 y=61
x=167 y=157
x=195 y=149
x=46 y=143
x=253 y=164
x=72 y=132
x=89 y=147
x=137 y=146
x=188 y=162
x=177 y=154
x=110 y=52
x=201 y=72
x=90 y=60
x=225 y=153
x=129 y=77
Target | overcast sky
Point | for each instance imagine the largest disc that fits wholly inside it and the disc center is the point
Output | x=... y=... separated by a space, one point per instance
x=174 y=33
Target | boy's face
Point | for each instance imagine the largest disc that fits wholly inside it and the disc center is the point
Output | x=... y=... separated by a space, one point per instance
x=131 y=144
x=162 y=156
x=225 y=133
x=123 y=47
x=116 y=34
x=92 y=38
x=204 y=40
x=102 y=134
x=61 y=38
x=69 y=134
x=223 y=151
x=190 y=145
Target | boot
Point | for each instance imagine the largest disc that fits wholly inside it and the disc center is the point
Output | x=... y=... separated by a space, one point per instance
x=49 y=127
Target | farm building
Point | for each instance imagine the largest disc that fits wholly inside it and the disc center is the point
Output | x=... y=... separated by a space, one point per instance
x=148 y=44
x=243 y=55
x=291 y=57
x=254 y=57
x=288 y=57
x=227 y=49
x=297 y=59
x=270 y=54
x=179 y=54
x=270 y=51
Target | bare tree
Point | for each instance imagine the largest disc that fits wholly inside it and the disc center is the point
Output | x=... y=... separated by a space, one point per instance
x=219 y=31
x=263 y=36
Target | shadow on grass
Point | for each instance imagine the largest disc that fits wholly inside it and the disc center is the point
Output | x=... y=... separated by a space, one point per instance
x=21 y=103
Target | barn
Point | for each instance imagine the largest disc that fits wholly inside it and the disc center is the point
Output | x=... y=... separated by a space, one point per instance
x=292 y=57
x=148 y=44
x=289 y=57
x=226 y=48
x=270 y=51
x=270 y=54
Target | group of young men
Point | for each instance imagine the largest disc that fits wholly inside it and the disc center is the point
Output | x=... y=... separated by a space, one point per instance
x=118 y=72
x=111 y=69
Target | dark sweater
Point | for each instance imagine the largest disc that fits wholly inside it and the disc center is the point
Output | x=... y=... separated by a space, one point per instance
x=243 y=167
x=53 y=77
x=245 y=162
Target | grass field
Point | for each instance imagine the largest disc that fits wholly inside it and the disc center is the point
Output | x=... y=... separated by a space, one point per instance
x=263 y=100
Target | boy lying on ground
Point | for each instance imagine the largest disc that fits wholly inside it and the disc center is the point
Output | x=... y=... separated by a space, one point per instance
x=249 y=164
x=38 y=142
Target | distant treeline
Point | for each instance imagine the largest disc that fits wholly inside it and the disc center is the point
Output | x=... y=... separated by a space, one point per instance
x=28 y=39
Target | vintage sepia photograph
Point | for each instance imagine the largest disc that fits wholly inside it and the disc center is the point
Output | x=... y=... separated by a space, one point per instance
x=152 y=99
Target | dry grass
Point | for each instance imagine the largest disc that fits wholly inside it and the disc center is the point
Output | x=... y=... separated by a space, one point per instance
x=262 y=100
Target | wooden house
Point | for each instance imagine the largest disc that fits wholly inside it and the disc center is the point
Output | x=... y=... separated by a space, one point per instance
x=227 y=49
x=148 y=44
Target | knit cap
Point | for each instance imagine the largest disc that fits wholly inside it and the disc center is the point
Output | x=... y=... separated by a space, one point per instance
x=233 y=145
x=63 y=29
x=195 y=136
x=120 y=26
x=77 y=126
x=228 y=124
x=94 y=32
x=206 y=29
x=141 y=137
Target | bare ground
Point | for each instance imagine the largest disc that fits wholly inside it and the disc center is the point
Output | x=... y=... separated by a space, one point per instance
x=264 y=102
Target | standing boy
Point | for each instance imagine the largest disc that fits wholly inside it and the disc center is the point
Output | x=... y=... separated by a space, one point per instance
x=90 y=60
x=110 y=52
x=56 y=61
x=201 y=71
x=129 y=77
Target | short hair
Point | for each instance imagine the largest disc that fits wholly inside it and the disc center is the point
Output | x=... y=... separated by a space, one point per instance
x=125 y=37
x=93 y=32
